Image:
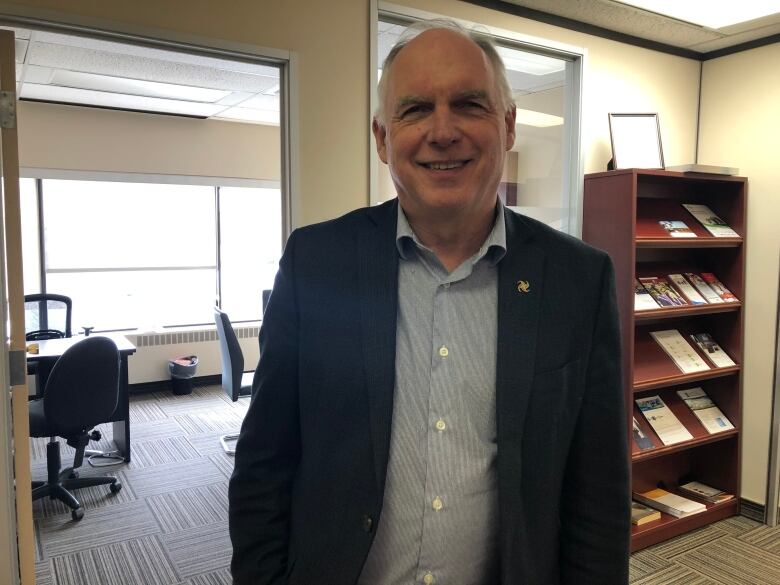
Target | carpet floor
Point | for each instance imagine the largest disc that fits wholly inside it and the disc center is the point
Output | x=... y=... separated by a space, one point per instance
x=168 y=524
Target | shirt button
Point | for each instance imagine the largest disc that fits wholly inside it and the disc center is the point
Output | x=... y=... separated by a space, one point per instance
x=428 y=578
x=437 y=503
x=440 y=425
x=443 y=351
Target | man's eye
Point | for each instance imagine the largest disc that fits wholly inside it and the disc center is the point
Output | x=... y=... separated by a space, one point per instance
x=412 y=110
x=473 y=105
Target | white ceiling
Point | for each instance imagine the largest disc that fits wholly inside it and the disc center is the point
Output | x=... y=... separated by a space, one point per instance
x=618 y=17
x=71 y=69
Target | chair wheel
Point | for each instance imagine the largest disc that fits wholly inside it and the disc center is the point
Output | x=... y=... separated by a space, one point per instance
x=77 y=514
x=115 y=487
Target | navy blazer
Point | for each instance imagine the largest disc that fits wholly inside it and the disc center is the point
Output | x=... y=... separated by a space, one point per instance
x=306 y=493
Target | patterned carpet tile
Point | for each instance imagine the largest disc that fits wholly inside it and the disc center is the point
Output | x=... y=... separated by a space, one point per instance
x=150 y=481
x=107 y=525
x=91 y=498
x=139 y=561
x=161 y=451
x=145 y=410
x=200 y=550
x=675 y=575
x=190 y=508
x=644 y=563
x=207 y=443
x=43 y=573
x=224 y=462
x=158 y=429
x=209 y=421
x=221 y=577
x=737 y=525
x=692 y=540
x=765 y=538
x=733 y=562
x=183 y=405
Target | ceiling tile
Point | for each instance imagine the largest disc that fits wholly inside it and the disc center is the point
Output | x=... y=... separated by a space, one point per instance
x=113 y=100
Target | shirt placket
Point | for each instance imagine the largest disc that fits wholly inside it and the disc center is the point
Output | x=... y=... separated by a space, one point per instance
x=438 y=432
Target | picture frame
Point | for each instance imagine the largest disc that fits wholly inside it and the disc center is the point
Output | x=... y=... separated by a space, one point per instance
x=636 y=141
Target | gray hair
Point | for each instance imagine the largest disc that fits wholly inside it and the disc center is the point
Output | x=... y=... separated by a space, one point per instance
x=481 y=39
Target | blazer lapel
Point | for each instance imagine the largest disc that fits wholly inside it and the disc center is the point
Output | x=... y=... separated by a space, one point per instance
x=520 y=290
x=378 y=284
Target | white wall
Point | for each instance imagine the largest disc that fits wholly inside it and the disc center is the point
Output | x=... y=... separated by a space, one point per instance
x=740 y=127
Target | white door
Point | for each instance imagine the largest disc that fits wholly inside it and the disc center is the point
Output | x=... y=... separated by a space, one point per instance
x=16 y=529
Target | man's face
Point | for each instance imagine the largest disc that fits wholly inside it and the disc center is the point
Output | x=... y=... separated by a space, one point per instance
x=445 y=132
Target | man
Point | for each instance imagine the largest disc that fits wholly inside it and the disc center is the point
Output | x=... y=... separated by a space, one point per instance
x=438 y=398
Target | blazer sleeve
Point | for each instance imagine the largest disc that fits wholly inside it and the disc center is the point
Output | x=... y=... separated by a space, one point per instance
x=268 y=448
x=596 y=503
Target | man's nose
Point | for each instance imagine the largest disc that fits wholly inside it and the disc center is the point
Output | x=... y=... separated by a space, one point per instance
x=444 y=129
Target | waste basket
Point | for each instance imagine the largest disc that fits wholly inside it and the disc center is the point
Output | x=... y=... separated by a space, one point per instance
x=182 y=370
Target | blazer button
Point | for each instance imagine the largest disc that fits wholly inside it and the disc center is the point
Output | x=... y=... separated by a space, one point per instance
x=368 y=523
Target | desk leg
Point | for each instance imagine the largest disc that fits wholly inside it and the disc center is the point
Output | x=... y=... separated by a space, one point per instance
x=121 y=428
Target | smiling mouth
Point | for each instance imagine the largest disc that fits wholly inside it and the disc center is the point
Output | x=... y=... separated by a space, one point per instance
x=445 y=165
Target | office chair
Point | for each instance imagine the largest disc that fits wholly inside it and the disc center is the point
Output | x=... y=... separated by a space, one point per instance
x=235 y=381
x=81 y=392
x=47 y=316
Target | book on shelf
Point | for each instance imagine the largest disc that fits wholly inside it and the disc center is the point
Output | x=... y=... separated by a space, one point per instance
x=664 y=422
x=711 y=222
x=643 y=300
x=682 y=353
x=641 y=514
x=677 y=229
x=710 y=416
x=640 y=438
x=669 y=503
x=663 y=292
x=717 y=286
x=686 y=289
x=704 y=492
x=706 y=291
x=712 y=351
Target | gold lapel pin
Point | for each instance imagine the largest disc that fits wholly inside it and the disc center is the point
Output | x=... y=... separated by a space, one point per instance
x=523 y=286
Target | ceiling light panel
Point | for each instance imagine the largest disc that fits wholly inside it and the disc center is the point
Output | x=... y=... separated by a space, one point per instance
x=135 y=67
x=712 y=14
x=119 y=101
x=157 y=54
x=538 y=119
x=139 y=87
x=250 y=115
x=524 y=62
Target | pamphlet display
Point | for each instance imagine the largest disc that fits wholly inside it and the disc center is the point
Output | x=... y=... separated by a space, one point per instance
x=665 y=424
x=681 y=352
x=705 y=410
x=711 y=222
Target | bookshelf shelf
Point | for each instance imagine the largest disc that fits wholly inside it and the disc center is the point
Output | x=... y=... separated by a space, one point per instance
x=623 y=213
x=675 y=312
x=688 y=243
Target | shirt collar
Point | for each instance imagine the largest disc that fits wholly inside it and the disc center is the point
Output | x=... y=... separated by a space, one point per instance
x=494 y=246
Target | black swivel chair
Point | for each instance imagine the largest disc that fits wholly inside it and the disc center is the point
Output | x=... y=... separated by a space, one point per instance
x=81 y=392
x=47 y=316
x=235 y=381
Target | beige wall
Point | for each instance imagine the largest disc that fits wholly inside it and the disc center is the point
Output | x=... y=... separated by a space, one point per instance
x=740 y=126
x=91 y=139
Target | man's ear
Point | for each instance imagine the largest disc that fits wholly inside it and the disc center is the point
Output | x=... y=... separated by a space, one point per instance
x=380 y=134
x=509 y=120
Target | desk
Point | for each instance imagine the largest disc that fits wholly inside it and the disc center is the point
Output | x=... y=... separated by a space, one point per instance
x=49 y=350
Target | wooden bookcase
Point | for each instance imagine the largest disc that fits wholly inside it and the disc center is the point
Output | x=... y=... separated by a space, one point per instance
x=621 y=211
